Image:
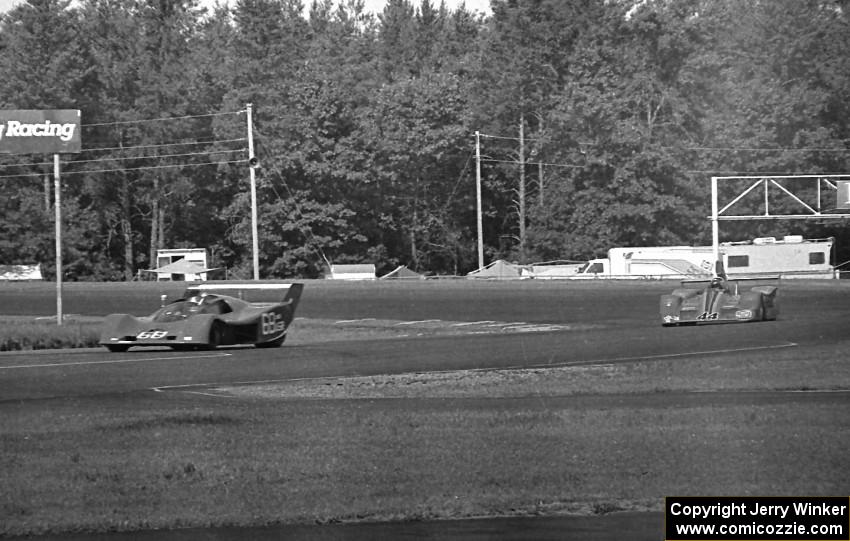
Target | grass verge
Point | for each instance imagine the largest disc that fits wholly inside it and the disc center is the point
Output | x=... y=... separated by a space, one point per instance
x=28 y=333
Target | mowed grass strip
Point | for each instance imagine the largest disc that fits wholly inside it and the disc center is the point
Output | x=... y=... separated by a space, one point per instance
x=788 y=369
x=176 y=459
x=319 y=462
x=28 y=333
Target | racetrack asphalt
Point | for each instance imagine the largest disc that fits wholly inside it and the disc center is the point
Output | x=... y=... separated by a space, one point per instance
x=91 y=372
x=625 y=328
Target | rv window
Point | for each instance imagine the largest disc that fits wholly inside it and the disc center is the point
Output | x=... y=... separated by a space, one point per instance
x=596 y=268
x=817 y=258
x=739 y=261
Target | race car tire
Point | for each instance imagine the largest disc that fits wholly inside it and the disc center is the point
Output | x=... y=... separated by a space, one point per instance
x=756 y=301
x=216 y=335
x=117 y=348
x=272 y=344
x=771 y=314
x=767 y=314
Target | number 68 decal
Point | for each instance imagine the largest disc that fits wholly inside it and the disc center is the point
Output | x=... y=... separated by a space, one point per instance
x=154 y=335
x=272 y=323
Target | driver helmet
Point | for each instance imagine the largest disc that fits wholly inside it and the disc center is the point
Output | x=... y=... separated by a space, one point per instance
x=196 y=300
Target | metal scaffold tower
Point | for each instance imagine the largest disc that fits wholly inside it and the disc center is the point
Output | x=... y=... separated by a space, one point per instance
x=805 y=193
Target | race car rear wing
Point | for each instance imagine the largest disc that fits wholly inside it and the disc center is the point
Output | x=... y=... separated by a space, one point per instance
x=251 y=292
x=732 y=282
x=765 y=278
x=720 y=274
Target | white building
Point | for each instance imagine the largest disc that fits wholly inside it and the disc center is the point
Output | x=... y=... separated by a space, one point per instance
x=181 y=265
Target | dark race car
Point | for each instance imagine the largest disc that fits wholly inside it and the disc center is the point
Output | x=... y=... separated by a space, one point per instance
x=720 y=301
x=206 y=318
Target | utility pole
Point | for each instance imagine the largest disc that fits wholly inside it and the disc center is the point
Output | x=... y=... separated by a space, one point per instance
x=252 y=161
x=478 y=199
x=521 y=192
x=58 y=225
x=540 y=182
x=537 y=152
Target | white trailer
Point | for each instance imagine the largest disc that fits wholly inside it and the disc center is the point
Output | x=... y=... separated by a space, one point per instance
x=651 y=262
x=789 y=257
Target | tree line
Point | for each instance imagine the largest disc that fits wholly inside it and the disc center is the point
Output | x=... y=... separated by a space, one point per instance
x=600 y=125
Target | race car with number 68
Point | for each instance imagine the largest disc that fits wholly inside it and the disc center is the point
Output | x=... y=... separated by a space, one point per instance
x=208 y=316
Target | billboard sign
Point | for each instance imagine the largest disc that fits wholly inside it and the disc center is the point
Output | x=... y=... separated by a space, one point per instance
x=31 y=131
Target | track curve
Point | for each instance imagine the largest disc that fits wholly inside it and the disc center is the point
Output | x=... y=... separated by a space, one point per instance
x=625 y=330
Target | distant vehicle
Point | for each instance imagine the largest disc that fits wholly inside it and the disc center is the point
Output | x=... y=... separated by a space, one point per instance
x=719 y=300
x=204 y=318
x=791 y=256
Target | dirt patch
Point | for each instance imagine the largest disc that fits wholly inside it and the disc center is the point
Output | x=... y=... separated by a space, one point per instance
x=459 y=383
x=308 y=330
x=820 y=368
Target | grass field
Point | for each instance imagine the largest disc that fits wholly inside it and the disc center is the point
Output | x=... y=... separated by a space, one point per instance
x=422 y=446
x=417 y=447
x=28 y=333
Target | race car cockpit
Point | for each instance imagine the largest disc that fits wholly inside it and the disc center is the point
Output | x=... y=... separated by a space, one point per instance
x=194 y=305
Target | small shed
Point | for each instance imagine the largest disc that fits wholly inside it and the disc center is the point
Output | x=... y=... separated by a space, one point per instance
x=363 y=271
x=20 y=273
x=165 y=257
x=498 y=270
x=552 y=270
x=182 y=270
x=402 y=273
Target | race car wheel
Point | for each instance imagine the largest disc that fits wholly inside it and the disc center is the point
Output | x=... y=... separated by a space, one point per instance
x=117 y=348
x=755 y=301
x=216 y=334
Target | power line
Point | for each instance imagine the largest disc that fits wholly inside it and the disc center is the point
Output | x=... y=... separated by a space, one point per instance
x=154 y=167
x=758 y=149
x=124 y=169
x=188 y=143
x=525 y=138
x=510 y=138
x=185 y=117
x=517 y=162
x=123 y=158
x=305 y=230
x=116 y=159
x=458 y=181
